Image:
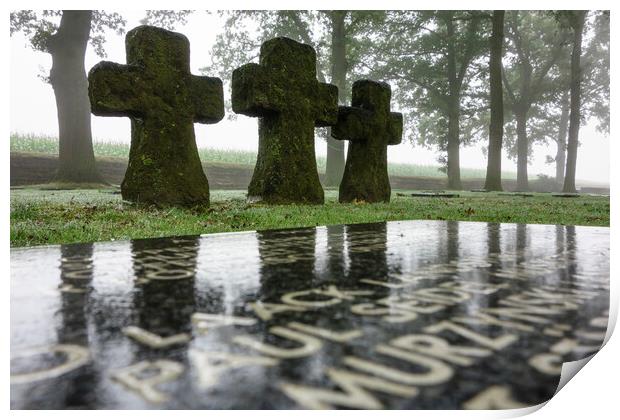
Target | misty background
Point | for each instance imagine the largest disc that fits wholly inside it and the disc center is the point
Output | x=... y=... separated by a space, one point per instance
x=33 y=109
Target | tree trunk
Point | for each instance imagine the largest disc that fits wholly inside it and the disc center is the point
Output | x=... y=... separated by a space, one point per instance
x=335 y=148
x=575 y=102
x=496 y=128
x=454 y=172
x=560 y=156
x=522 y=150
x=76 y=159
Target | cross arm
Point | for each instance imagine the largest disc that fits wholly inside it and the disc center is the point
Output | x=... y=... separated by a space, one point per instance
x=250 y=91
x=207 y=95
x=352 y=123
x=395 y=128
x=326 y=105
x=114 y=90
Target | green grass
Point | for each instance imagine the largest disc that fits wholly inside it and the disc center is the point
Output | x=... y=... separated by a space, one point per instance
x=51 y=217
x=32 y=143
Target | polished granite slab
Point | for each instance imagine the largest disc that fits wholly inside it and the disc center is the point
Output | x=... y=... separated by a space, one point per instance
x=397 y=315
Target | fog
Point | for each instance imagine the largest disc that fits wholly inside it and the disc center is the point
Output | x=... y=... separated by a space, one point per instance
x=33 y=110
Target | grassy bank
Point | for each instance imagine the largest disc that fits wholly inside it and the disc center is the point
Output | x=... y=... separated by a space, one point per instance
x=49 y=145
x=51 y=217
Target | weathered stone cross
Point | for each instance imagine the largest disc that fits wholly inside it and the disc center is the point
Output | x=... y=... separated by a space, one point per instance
x=283 y=92
x=370 y=127
x=163 y=100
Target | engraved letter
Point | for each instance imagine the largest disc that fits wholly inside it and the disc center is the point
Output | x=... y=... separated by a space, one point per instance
x=355 y=393
x=168 y=371
x=309 y=346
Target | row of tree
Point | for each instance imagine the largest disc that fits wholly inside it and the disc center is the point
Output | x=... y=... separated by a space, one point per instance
x=458 y=75
x=516 y=77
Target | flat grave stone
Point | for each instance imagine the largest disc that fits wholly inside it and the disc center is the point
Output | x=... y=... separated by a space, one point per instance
x=516 y=194
x=442 y=194
x=566 y=195
x=396 y=315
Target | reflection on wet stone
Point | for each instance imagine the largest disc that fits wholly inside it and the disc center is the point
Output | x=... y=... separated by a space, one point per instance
x=334 y=262
x=409 y=315
x=164 y=295
x=76 y=273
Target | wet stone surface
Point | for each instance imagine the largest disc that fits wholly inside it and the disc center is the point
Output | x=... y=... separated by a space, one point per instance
x=417 y=314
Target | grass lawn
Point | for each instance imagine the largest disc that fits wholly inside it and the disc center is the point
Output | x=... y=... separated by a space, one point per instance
x=66 y=216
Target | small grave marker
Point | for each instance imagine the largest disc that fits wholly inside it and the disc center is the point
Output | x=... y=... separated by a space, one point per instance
x=370 y=127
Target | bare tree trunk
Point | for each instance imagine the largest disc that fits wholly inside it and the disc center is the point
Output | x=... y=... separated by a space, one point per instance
x=76 y=159
x=560 y=156
x=575 y=102
x=522 y=150
x=454 y=171
x=335 y=148
x=496 y=128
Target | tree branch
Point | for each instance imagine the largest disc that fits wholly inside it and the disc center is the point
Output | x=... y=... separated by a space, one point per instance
x=469 y=52
x=509 y=90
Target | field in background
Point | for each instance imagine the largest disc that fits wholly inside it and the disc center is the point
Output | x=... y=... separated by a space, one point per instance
x=30 y=143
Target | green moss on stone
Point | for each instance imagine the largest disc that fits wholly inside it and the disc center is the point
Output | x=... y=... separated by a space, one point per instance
x=370 y=127
x=283 y=92
x=163 y=100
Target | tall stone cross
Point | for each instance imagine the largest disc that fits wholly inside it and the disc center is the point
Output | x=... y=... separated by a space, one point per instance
x=370 y=127
x=282 y=90
x=163 y=100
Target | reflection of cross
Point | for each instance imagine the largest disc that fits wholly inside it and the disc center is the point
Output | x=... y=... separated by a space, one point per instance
x=163 y=99
x=370 y=127
x=283 y=91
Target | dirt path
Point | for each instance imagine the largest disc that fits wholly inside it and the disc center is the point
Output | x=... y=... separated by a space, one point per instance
x=35 y=168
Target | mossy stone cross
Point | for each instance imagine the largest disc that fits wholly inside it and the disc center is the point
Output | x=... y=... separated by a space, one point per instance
x=370 y=127
x=157 y=91
x=282 y=90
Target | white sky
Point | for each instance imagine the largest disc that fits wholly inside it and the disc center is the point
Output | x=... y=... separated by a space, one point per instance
x=33 y=110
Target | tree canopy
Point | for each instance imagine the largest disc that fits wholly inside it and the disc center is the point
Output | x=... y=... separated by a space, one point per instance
x=40 y=27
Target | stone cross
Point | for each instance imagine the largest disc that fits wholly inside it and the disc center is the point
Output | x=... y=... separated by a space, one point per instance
x=282 y=90
x=157 y=91
x=370 y=127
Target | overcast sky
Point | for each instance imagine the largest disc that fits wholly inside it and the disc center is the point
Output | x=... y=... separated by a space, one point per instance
x=33 y=109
